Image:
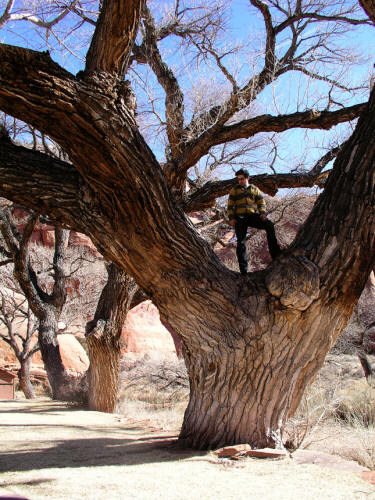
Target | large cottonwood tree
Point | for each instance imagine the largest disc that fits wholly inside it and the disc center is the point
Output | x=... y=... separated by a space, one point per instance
x=251 y=344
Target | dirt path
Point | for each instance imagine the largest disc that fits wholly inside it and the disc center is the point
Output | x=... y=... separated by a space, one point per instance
x=50 y=450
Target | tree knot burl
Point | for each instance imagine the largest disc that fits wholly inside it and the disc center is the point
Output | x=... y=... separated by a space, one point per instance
x=294 y=281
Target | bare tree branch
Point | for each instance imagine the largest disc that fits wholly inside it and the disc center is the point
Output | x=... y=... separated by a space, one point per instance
x=174 y=106
x=9 y=232
x=315 y=76
x=312 y=119
x=205 y=197
x=319 y=17
x=207 y=128
x=6 y=262
x=33 y=18
x=324 y=160
x=7 y=12
x=58 y=296
x=83 y=15
x=270 y=33
x=33 y=350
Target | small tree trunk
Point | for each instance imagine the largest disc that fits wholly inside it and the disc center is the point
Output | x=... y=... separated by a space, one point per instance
x=24 y=378
x=103 y=374
x=64 y=387
x=103 y=339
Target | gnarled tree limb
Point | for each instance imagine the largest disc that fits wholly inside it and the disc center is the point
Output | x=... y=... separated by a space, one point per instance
x=205 y=196
x=174 y=98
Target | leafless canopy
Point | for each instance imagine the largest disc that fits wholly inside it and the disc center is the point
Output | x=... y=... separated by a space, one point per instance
x=208 y=126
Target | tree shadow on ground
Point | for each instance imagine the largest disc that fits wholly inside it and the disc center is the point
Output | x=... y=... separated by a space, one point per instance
x=94 y=452
x=81 y=428
x=42 y=409
x=88 y=439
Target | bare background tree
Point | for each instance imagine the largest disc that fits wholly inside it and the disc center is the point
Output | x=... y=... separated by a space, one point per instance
x=47 y=307
x=14 y=314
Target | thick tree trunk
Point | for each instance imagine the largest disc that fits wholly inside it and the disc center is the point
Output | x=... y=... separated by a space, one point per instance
x=24 y=378
x=103 y=339
x=244 y=384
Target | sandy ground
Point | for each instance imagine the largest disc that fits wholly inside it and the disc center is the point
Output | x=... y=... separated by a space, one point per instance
x=51 y=450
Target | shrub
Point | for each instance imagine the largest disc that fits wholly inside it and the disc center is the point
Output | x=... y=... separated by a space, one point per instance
x=159 y=382
x=364 y=450
x=357 y=404
x=154 y=391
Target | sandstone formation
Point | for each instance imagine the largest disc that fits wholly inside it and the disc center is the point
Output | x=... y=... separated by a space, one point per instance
x=144 y=333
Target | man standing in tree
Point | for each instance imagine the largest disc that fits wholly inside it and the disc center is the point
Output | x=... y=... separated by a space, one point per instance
x=243 y=201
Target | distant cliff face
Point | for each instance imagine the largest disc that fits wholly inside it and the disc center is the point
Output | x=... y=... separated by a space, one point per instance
x=144 y=333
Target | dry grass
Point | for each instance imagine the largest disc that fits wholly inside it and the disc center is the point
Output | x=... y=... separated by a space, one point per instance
x=357 y=404
x=317 y=406
x=363 y=451
x=337 y=414
x=154 y=389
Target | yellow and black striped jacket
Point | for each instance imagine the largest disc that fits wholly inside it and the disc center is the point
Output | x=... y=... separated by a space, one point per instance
x=244 y=201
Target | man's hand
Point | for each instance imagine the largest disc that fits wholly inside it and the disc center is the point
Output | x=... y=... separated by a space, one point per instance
x=232 y=222
x=263 y=216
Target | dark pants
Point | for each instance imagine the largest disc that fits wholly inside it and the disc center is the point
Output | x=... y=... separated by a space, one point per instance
x=254 y=220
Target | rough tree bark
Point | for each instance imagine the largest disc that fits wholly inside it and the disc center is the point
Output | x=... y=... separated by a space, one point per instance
x=251 y=344
x=60 y=382
x=103 y=339
x=369 y=7
x=24 y=378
